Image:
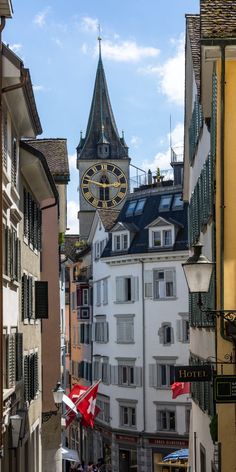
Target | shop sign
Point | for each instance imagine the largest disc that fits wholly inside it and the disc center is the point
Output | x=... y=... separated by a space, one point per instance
x=168 y=442
x=190 y=373
x=129 y=439
x=225 y=389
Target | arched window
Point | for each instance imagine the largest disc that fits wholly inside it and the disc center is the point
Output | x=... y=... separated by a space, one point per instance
x=104 y=191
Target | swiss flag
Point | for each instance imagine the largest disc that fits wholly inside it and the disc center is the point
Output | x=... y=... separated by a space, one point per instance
x=180 y=388
x=83 y=403
x=87 y=406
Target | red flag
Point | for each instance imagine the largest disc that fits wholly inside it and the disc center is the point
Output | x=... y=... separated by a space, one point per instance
x=87 y=406
x=84 y=423
x=76 y=391
x=180 y=388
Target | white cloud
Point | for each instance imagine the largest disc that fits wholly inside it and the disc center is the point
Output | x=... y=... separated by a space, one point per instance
x=58 y=42
x=171 y=74
x=40 y=18
x=15 y=47
x=162 y=159
x=84 y=48
x=89 y=24
x=72 y=220
x=38 y=88
x=127 y=51
x=135 y=141
x=72 y=161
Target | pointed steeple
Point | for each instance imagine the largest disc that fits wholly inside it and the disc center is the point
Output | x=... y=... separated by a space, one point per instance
x=101 y=126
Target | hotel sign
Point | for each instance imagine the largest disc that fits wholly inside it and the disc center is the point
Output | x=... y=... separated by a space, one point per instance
x=190 y=373
x=225 y=388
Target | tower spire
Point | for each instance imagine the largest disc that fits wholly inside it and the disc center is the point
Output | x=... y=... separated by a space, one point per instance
x=99 y=41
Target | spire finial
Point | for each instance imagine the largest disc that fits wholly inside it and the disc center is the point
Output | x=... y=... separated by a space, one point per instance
x=99 y=41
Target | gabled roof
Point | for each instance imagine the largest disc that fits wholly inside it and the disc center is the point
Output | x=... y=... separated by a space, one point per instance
x=151 y=214
x=108 y=218
x=193 y=28
x=124 y=226
x=55 y=152
x=101 y=123
x=159 y=222
x=218 y=19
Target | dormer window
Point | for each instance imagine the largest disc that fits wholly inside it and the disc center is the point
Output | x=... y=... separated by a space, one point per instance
x=161 y=238
x=178 y=202
x=120 y=242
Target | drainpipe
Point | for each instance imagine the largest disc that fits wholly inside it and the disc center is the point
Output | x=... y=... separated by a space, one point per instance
x=3 y=21
x=144 y=349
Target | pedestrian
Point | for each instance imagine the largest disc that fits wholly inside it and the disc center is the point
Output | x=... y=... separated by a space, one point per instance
x=90 y=467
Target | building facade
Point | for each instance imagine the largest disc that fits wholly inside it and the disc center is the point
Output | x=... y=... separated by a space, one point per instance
x=140 y=328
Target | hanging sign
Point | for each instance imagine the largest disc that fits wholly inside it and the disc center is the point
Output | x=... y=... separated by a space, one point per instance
x=190 y=373
x=225 y=388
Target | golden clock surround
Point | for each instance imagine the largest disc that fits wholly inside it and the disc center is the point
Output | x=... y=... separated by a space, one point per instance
x=91 y=182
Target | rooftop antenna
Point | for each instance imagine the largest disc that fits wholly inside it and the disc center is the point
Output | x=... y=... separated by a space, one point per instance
x=99 y=40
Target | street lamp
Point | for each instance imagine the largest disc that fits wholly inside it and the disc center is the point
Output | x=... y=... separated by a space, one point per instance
x=58 y=393
x=198 y=271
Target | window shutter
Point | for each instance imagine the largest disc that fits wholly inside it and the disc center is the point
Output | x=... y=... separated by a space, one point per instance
x=5 y=139
x=18 y=252
x=152 y=375
x=161 y=334
x=82 y=333
x=120 y=289
x=169 y=278
x=30 y=296
x=35 y=225
x=31 y=377
x=179 y=330
x=26 y=214
x=134 y=288
x=24 y=297
x=9 y=265
x=41 y=299
x=105 y=332
x=93 y=332
x=36 y=372
x=148 y=284
x=19 y=356
x=11 y=360
x=138 y=376
x=114 y=374
x=26 y=379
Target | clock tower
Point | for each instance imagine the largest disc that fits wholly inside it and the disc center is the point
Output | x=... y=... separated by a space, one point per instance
x=102 y=158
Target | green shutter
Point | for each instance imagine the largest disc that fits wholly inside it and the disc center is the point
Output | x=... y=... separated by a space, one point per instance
x=26 y=379
x=19 y=356
x=11 y=360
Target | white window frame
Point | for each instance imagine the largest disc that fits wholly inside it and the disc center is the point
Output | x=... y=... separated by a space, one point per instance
x=105 y=291
x=163 y=289
x=125 y=329
x=120 y=241
x=127 y=289
x=98 y=292
x=128 y=408
x=167 y=411
x=161 y=230
x=85 y=297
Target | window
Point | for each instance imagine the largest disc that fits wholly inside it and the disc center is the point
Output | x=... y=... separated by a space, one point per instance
x=125 y=329
x=161 y=238
x=165 y=202
x=128 y=416
x=166 y=334
x=85 y=333
x=100 y=329
x=130 y=208
x=97 y=250
x=105 y=291
x=202 y=458
x=178 y=202
x=13 y=359
x=166 y=419
x=187 y=419
x=162 y=373
x=85 y=297
x=164 y=284
x=27 y=297
x=97 y=368
x=104 y=404
x=140 y=206
x=126 y=375
x=126 y=289
x=11 y=254
x=120 y=242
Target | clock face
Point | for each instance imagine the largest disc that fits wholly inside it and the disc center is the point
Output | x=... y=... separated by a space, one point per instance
x=104 y=185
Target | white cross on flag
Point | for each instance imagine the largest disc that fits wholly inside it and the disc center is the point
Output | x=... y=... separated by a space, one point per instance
x=83 y=400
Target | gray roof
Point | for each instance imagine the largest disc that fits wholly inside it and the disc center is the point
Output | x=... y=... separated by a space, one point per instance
x=193 y=28
x=101 y=123
x=55 y=152
x=218 y=19
x=108 y=218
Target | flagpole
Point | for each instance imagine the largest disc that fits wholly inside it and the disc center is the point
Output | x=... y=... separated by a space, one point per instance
x=81 y=397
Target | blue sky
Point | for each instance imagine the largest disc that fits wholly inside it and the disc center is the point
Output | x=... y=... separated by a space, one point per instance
x=143 y=57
